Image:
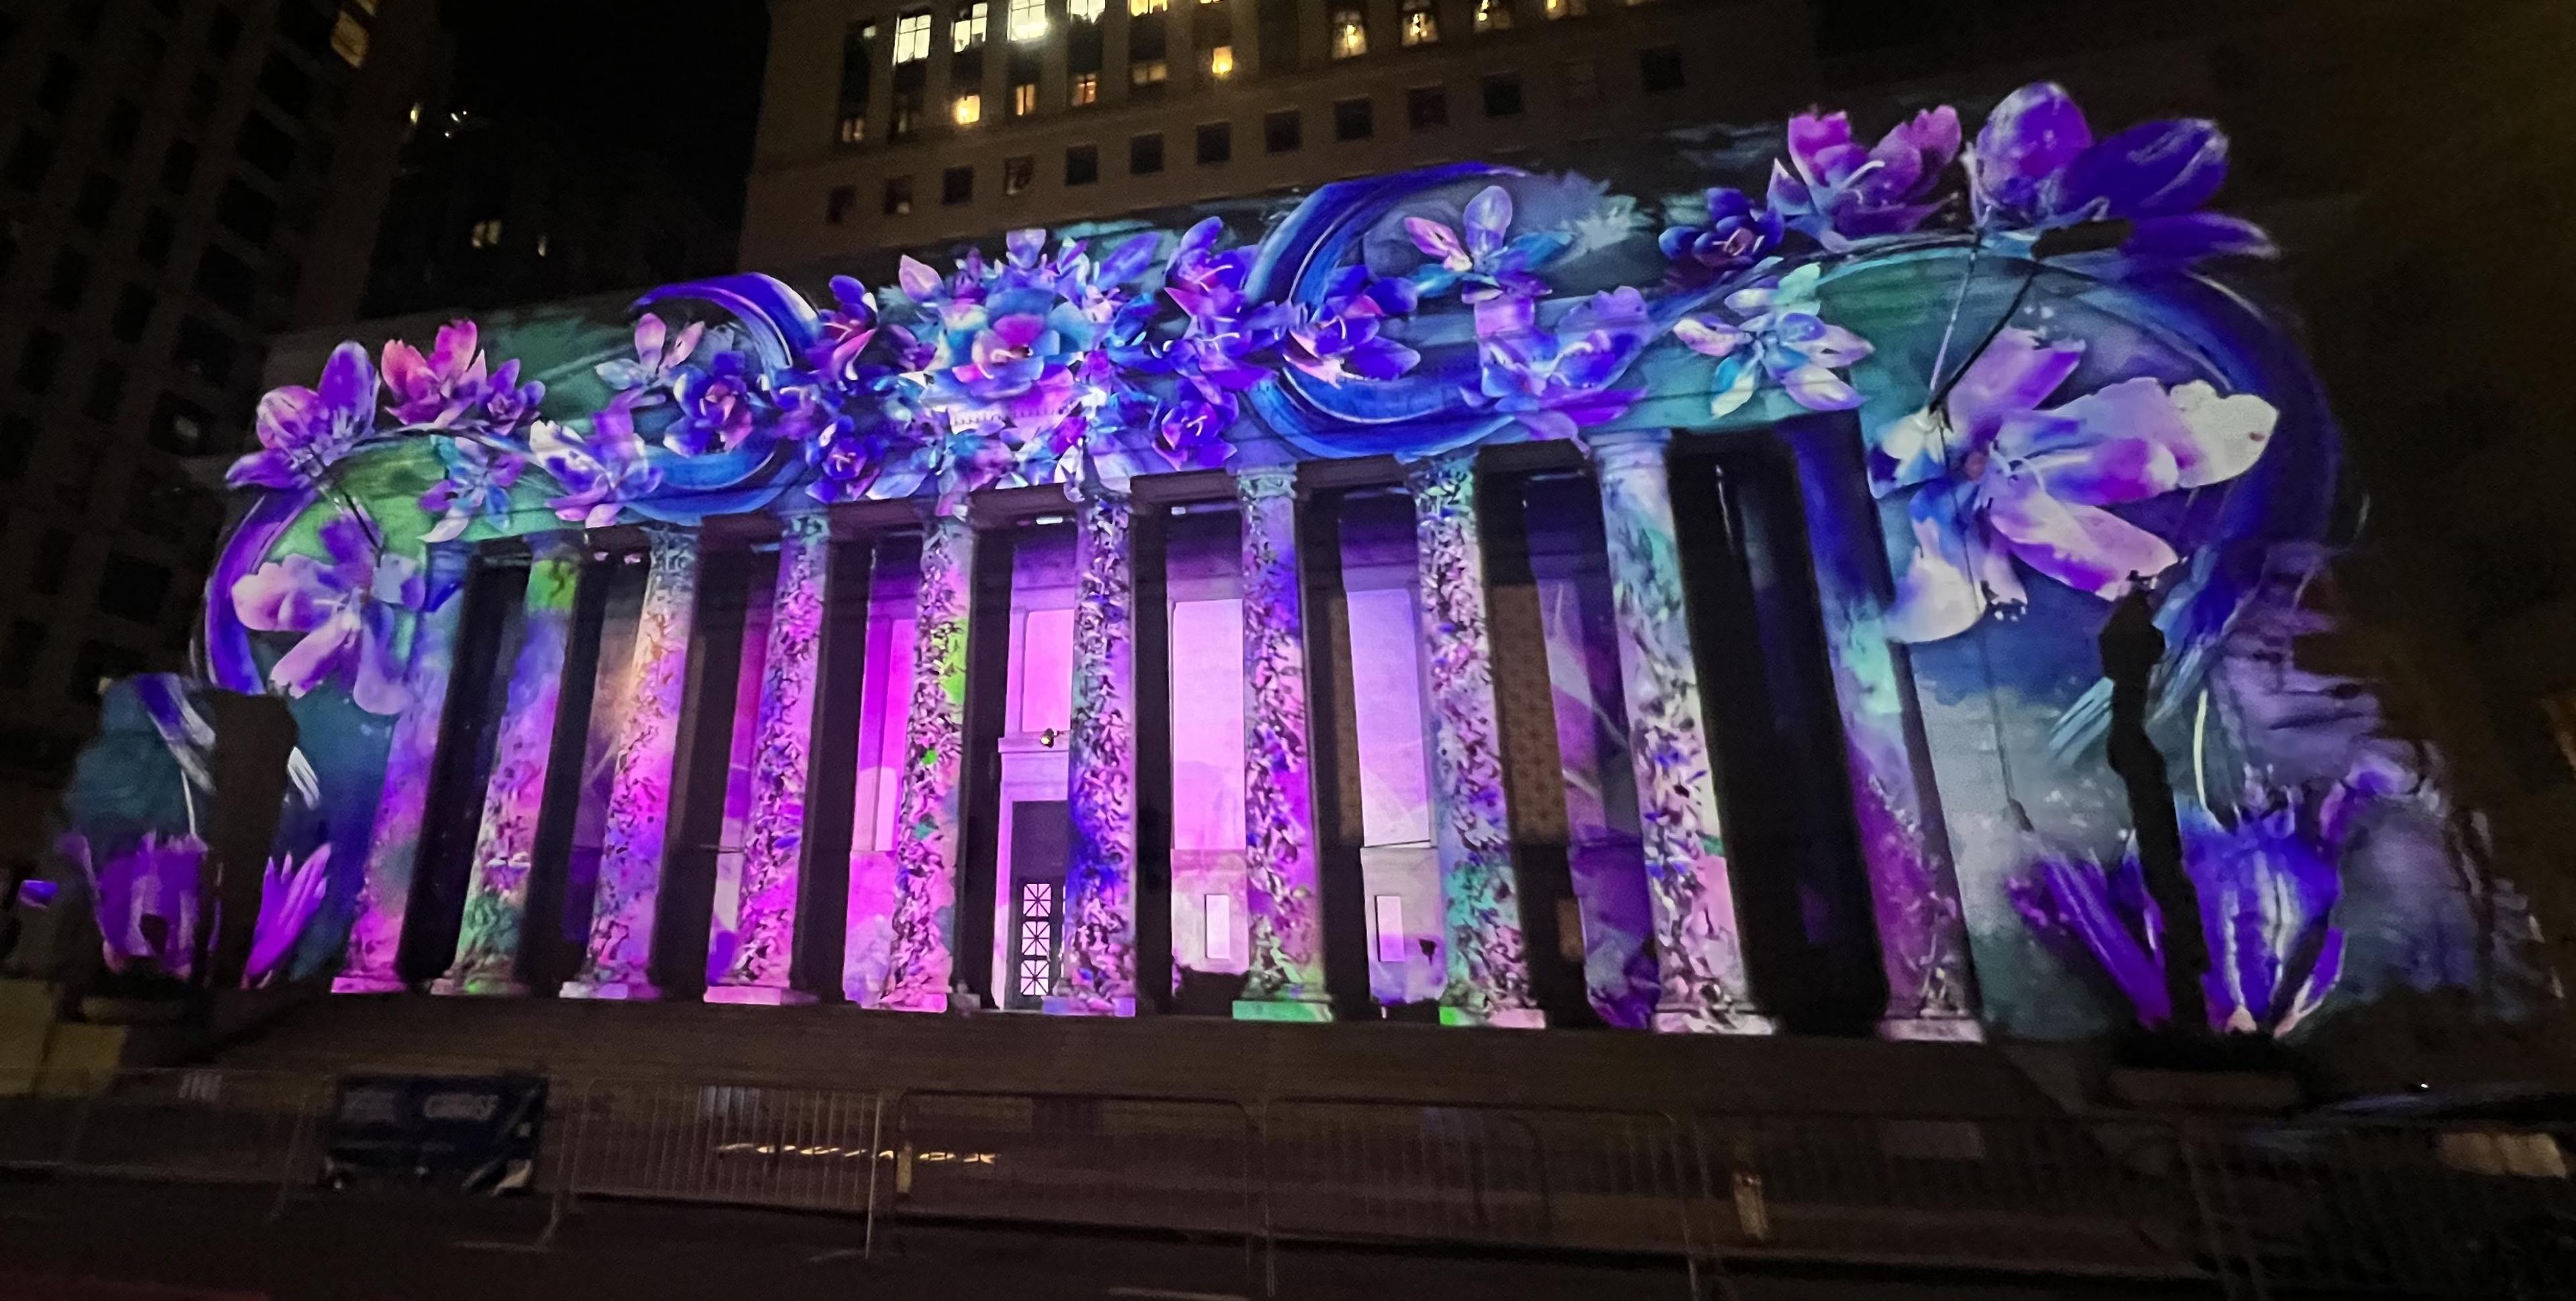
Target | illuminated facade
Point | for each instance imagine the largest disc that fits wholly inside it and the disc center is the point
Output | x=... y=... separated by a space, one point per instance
x=1460 y=592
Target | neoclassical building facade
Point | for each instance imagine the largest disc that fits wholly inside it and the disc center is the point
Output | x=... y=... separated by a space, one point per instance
x=1507 y=598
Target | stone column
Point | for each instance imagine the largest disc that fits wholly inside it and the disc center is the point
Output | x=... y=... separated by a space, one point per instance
x=1282 y=904
x=1913 y=886
x=1096 y=972
x=1488 y=971
x=411 y=762
x=639 y=794
x=1699 y=952
x=929 y=814
x=496 y=890
x=773 y=858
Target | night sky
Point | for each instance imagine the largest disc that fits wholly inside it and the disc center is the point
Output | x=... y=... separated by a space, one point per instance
x=679 y=78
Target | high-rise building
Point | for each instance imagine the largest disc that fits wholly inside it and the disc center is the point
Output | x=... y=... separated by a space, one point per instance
x=180 y=178
x=490 y=211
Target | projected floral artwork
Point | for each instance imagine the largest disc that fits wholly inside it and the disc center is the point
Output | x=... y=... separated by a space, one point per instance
x=2015 y=370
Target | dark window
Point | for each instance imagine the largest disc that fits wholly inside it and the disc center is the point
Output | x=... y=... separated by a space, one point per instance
x=18 y=659
x=202 y=90
x=305 y=24
x=38 y=359
x=1660 y=69
x=17 y=438
x=71 y=276
x=153 y=246
x=133 y=313
x=149 y=50
x=133 y=588
x=225 y=280
x=204 y=351
x=857 y=59
x=1426 y=107
x=1354 y=119
x=1216 y=142
x=286 y=85
x=907 y=113
x=1081 y=164
x=62 y=81
x=84 y=16
x=106 y=391
x=266 y=146
x=178 y=166
x=1277 y=23
x=837 y=204
x=1019 y=173
x=246 y=212
x=223 y=31
x=1282 y=131
x=179 y=425
x=898 y=196
x=101 y=663
x=957 y=185
x=96 y=202
x=53 y=559
x=1145 y=154
x=30 y=160
x=1503 y=95
x=124 y=123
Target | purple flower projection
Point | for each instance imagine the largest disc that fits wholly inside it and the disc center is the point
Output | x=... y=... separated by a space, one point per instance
x=1997 y=480
x=290 y=893
x=2036 y=165
x=1342 y=336
x=1553 y=382
x=2267 y=884
x=303 y=432
x=479 y=476
x=451 y=387
x=1478 y=258
x=658 y=356
x=719 y=406
x=1778 y=336
x=344 y=603
x=1735 y=236
x=598 y=471
x=1835 y=192
x=145 y=899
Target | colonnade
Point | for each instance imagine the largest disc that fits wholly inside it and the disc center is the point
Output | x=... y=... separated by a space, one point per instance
x=1696 y=938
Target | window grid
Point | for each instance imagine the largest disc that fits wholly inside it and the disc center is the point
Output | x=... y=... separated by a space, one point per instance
x=1028 y=20
x=1350 y=33
x=966 y=30
x=911 y=38
x=1420 y=26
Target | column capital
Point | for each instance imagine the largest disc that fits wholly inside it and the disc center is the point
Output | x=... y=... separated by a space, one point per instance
x=806 y=523
x=1616 y=447
x=1266 y=482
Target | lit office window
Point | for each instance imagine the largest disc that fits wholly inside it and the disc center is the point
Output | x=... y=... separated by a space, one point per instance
x=1086 y=88
x=966 y=30
x=912 y=37
x=1350 y=33
x=486 y=233
x=1148 y=72
x=854 y=129
x=1085 y=11
x=1419 y=26
x=349 y=39
x=1024 y=98
x=1140 y=8
x=1493 y=15
x=1221 y=61
x=1565 y=8
x=966 y=109
x=1028 y=20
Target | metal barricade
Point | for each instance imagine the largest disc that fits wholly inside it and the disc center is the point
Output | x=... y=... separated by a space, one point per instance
x=2005 y=1194
x=1112 y=1160
x=2460 y=1209
x=201 y=1125
x=1363 y=1170
x=744 y=1145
